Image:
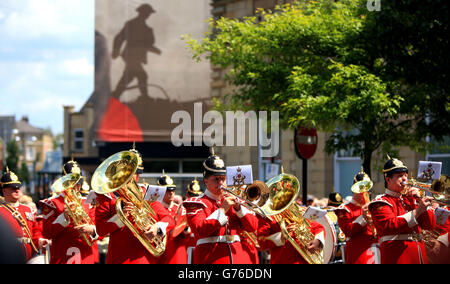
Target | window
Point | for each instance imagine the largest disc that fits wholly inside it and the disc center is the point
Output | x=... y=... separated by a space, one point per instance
x=441 y=156
x=78 y=140
x=30 y=153
x=346 y=167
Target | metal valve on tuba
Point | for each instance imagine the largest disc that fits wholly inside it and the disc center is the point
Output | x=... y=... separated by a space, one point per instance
x=115 y=174
x=72 y=200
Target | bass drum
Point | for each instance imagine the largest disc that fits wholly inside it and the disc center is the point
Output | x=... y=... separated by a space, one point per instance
x=329 y=248
x=39 y=259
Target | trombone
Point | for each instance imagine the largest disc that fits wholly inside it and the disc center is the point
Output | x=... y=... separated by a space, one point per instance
x=439 y=189
x=251 y=196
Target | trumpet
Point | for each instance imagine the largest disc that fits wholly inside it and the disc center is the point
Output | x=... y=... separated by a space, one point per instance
x=115 y=174
x=72 y=200
x=439 y=189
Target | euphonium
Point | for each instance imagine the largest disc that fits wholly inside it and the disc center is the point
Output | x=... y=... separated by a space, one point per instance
x=72 y=200
x=283 y=192
x=116 y=174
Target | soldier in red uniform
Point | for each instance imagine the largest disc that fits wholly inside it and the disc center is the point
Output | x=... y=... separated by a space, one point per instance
x=193 y=190
x=353 y=218
x=176 y=250
x=437 y=245
x=68 y=246
x=216 y=218
x=124 y=247
x=19 y=217
x=399 y=215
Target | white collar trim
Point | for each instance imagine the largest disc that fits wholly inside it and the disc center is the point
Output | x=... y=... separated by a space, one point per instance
x=393 y=193
x=212 y=195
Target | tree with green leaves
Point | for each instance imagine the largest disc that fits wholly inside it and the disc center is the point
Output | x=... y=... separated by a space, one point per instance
x=12 y=156
x=324 y=64
x=24 y=173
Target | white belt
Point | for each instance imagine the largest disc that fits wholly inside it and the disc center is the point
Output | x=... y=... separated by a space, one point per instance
x=219 y=239
x=404 y=237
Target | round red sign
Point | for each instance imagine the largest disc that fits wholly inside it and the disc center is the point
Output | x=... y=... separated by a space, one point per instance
x=305 y=140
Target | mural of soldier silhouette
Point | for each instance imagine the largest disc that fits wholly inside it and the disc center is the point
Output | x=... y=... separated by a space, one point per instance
x=126 y=111
x=139 y=39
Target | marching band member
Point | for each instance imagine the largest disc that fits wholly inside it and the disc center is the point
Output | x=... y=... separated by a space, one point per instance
x=193 y=190
x=20 y=217
x=444 y=239
x=217 y=217
x=176 y=251
x=400 y=216
x=124 y=247
x=353 y=218
x=68 y=246
x=437 y=243
x=271 y=238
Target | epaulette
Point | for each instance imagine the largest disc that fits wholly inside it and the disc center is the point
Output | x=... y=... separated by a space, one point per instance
x=48 y=202
x=379 y=199
x=194 y=200
x=342 y=207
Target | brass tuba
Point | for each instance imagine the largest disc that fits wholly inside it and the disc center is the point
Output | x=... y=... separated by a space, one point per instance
x=282 y=205
x=116 y=174
x=72 y=200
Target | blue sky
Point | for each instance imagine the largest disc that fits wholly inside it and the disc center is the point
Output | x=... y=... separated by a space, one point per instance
x=46 y=58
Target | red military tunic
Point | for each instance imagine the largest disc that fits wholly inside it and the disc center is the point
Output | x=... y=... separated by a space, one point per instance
x=360 y=247
x=67 y=247
x=444 y=229
x=176 y=248
x=249 y=246
x=124 y=247
x=398 y=229
x=282 y=251
x=28 y=215
x=217 y=234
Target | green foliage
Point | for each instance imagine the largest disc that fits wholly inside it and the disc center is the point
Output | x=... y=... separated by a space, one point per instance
x=23 y=173
x=12 y=156
x=331 y=65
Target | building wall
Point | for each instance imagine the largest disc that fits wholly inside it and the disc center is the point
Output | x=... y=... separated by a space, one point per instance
x=82 y=120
